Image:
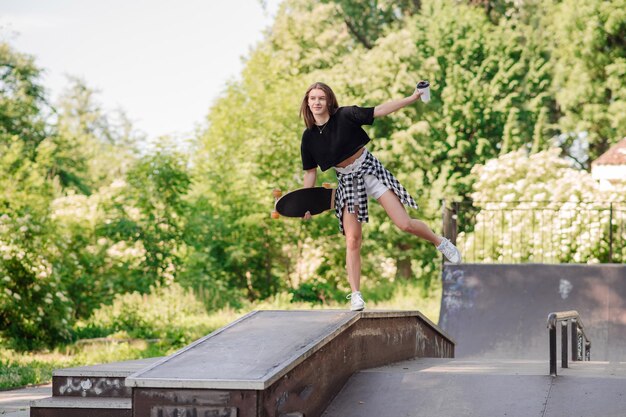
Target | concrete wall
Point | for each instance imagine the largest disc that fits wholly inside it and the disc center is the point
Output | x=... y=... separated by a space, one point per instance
x=500 y=311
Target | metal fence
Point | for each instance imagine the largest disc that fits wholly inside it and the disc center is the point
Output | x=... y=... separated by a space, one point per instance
x=537 y=231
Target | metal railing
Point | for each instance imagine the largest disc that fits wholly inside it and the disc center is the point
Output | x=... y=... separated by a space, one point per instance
x=581 y=345
x=537 y=231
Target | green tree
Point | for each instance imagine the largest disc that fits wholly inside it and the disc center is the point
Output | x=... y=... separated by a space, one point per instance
x=54 y=260
x=367 y=21
x=126 y=236
x=91 y=153
x=588 y=50
x=23 y=109
x=92 y=147
x=151 y=211
x=34 y=310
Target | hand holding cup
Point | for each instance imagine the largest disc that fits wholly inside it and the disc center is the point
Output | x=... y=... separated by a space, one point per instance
x=424 y=88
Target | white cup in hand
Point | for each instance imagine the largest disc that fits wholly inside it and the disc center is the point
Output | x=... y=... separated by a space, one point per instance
x=424 y=88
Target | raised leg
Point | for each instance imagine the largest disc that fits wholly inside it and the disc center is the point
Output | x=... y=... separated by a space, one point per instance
x=396 y=211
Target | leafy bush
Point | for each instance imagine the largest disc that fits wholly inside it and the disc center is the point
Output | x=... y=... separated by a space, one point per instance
x=172 y=314
x=13 y=374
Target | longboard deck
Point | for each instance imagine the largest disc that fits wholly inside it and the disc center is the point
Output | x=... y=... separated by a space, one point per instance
x=315 y=200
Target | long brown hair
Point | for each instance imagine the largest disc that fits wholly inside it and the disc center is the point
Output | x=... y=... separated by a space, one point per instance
x=331 y=102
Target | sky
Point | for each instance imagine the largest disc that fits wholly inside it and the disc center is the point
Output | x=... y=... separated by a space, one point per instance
x=163 y=62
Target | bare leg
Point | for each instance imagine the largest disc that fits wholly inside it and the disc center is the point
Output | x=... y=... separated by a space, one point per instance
x=352 y=229
x=396 y=211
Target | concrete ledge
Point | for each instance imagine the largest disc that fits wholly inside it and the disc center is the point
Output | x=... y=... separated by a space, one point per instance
x=99 y=403
x=379 y=314
x=106 y=380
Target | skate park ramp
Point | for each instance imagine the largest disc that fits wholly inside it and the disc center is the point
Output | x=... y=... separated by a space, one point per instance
x=500 y=311
x=497 y=314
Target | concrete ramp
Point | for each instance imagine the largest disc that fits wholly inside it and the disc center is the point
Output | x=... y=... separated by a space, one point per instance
x=500 y=311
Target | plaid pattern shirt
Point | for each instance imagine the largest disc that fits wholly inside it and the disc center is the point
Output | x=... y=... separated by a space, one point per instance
x=351 y=189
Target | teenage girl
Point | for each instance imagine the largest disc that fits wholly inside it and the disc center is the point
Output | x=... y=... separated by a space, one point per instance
x=334 y=138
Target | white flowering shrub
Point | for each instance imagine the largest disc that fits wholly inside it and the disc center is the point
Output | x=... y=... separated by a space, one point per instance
x=537 y=208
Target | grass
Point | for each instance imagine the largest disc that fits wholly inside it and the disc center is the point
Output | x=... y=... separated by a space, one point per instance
x=32 y=368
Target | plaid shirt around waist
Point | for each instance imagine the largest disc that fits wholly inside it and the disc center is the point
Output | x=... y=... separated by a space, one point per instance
x=351 y=189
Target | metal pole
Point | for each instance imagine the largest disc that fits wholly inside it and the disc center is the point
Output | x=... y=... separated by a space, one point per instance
x=552 y=351
x=444 y=225
x=564 y=344
x=574 y=336
x=454 y=221
x=610 y=233
x=443 y=217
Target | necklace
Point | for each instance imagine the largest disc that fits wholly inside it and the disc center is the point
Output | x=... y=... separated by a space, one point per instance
x=323 y=126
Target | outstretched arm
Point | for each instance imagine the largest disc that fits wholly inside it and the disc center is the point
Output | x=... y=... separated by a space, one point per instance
x=391 y=106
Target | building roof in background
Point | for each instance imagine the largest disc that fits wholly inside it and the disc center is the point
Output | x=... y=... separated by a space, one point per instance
x=616 y=155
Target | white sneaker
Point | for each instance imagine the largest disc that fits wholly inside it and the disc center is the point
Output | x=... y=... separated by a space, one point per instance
x=449 y=251
x=356 y=301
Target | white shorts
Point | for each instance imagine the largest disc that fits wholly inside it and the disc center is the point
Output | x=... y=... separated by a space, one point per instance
x=373 y=186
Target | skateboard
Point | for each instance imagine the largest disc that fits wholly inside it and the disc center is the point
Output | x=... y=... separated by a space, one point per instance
x=296 y=203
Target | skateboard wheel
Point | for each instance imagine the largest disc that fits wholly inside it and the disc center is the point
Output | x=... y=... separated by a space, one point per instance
x=326 y=185
x=277 y=193
x=275 y=215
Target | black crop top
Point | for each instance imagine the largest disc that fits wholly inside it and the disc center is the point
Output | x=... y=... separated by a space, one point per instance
x=341 y=137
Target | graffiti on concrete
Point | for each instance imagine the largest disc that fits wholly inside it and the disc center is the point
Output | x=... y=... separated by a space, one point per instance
x=199 y=397
x=192 y=411
x=92 y=387
x=458 y=294
x=430 y=344
x=565 y=287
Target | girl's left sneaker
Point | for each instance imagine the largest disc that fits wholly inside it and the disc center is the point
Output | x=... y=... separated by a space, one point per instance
x=356 y=301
